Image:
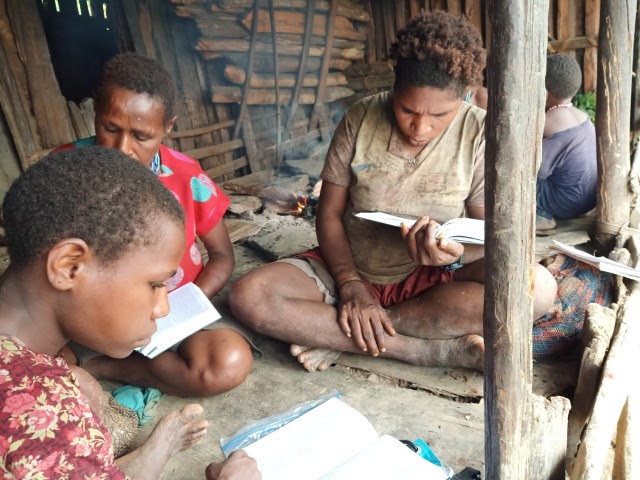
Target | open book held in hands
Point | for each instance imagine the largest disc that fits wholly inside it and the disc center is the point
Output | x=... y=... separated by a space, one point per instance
x=461 y=230
x=333 y=441
x=190 y=310
x=602 y=263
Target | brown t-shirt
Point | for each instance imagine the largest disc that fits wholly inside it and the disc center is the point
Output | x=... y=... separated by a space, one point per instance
x=366 y=156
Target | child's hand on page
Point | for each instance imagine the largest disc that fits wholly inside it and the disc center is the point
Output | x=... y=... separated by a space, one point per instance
x=425 y=249
x=239 y=466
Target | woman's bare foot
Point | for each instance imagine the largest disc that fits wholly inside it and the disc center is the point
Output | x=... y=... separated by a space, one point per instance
x=466 y=351
x=543 y=224
x=175 y=431
x=314 y=359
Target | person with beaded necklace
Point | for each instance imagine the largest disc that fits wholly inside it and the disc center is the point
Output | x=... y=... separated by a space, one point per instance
x=568 y=176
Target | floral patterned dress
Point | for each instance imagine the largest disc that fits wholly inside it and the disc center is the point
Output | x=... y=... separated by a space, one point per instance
x=47 y=429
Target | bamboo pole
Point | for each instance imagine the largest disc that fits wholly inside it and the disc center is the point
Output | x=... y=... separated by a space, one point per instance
x=515 y=70
x=613 y=101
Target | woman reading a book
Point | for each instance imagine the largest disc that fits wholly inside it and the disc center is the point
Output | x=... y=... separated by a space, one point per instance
x=134 y=103
x=417 y=151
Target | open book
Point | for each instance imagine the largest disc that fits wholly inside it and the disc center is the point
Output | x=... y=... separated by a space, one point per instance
x=190 y=310
x=601 y=263
x=333 y=441
x=461 y=230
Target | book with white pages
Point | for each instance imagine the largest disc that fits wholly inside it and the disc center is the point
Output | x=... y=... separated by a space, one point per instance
x=333 y=441
x=602 y=263
x=190 y=311
x=461 y=230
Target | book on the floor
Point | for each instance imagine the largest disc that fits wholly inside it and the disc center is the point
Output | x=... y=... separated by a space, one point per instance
x=333 y=441
x=461 y=230
x=601 y=263
x=190 y=311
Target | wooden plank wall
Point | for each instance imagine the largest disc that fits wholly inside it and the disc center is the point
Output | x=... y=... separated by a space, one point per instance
x=236 y=44
x=151 y=28
x=573 y=27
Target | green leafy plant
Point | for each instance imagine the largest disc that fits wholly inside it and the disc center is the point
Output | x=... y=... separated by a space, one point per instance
x=587 y=103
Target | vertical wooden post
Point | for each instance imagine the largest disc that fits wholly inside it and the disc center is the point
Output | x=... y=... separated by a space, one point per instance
x=514 y=125
x=635 y=96
x=590 y=62
x=613 y=102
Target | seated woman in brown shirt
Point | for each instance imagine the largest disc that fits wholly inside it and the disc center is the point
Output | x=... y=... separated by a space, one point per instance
x=369 y=288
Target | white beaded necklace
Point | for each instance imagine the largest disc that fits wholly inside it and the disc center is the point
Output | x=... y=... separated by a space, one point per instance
x=560 y=105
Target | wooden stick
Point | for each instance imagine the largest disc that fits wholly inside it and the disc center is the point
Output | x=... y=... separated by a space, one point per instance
x=596 y=336
x=277 y=81
x=247 y=81
x=324 y=68
x=221 y=44
x=237 y=75
x=294 y=22
x=201 y=130
x=548 y=437
x=590 y=61
x=613 y=392
x=263 y=96
x=303 y=61
x=626 y=464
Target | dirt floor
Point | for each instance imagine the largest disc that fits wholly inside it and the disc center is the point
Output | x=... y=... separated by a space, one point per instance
x=442 y=406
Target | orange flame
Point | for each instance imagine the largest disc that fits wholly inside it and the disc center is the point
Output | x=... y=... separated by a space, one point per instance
x=301 y=202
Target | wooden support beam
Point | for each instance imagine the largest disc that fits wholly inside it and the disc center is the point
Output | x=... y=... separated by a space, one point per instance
x=513 y=150
x=277 y=80
x=613 y=102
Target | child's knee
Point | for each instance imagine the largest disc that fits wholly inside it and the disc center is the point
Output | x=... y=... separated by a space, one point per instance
x=226 y=364
x=545 y=291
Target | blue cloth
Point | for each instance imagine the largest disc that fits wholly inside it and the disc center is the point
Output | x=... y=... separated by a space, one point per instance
x=568 y=176
x=143 y=401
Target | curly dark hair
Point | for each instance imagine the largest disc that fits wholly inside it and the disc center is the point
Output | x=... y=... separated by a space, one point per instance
x=563 y=78
x=138 y=74
x=440 y=50
x=97 y=194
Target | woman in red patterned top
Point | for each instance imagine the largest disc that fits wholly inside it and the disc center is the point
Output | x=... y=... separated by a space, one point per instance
x=88 y=265
x=134 y=112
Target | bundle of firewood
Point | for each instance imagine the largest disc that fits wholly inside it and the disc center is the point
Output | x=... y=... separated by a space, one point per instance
x=226 y=30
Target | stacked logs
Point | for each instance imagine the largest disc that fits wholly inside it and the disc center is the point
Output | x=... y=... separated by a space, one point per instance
x=226 y=28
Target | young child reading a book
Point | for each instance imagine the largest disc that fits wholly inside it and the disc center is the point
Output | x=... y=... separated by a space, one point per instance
x=417 y=150
x=134 y=104
x=92 y=251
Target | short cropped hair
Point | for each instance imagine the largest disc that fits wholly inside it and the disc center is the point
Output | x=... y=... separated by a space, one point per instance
x=563 y=78
x=96 y=194
x=440 y=50
x=138 y=74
